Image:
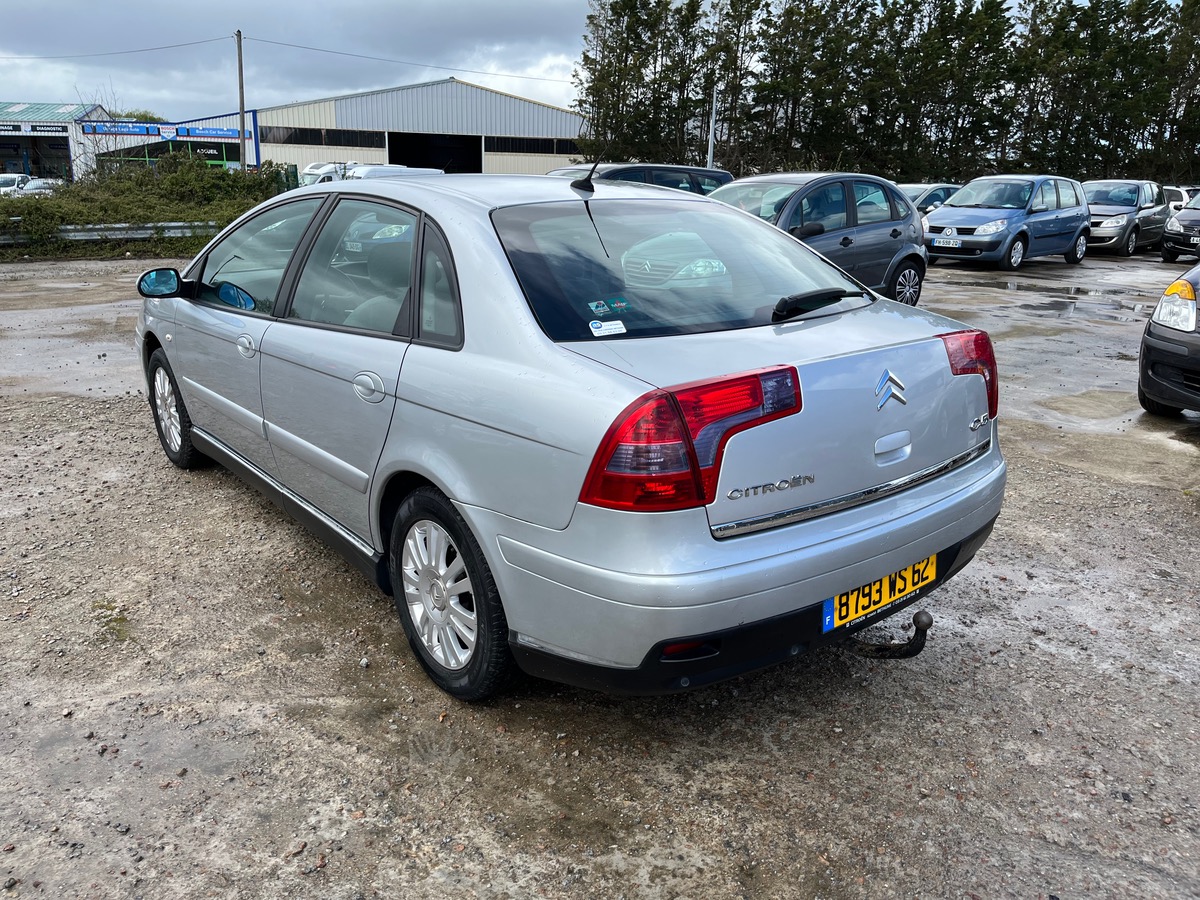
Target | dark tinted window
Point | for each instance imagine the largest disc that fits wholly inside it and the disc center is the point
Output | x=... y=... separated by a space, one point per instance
x=622 y=269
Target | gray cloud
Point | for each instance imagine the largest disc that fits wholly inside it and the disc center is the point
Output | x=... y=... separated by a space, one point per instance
x=406 y=40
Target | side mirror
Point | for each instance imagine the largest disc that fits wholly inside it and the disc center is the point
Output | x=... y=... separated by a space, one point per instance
x=159 y=283
x=232 y=295
x=1038 y=208
x=811 y=229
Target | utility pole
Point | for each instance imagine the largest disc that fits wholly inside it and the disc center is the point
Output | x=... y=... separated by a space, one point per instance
x=712 y=125
x=241 y=104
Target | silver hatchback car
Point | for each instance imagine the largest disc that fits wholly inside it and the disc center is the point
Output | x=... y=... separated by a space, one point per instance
x=615 y=437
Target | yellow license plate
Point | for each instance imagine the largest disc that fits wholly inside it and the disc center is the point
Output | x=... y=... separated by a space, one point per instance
x=861 y=601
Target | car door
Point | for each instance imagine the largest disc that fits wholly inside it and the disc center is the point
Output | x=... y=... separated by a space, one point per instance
x=330 y=367
x=823 y=204
x=1072 y=211
x=879 y=233
x=1042 y=223
x=1153 y=216
x=218 y=335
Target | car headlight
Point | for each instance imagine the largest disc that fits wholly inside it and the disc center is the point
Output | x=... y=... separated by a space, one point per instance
x=992 y=227
x=1173 y=224
x=702 y=268
x=1115 y=221
x=1177 y=307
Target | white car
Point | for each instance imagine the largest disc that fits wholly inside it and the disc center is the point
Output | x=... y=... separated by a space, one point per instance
x=10 y=183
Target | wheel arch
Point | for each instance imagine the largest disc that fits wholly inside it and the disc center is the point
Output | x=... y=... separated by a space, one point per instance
x=397 y=486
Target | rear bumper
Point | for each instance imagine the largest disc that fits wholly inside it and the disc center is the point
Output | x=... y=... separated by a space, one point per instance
x=733 y=651
x=1169 y=366
x=601 y=598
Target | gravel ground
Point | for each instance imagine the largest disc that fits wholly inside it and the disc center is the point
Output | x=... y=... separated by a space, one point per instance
x=199 y=699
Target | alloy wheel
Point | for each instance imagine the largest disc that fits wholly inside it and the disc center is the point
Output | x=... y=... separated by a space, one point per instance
x=438 y=594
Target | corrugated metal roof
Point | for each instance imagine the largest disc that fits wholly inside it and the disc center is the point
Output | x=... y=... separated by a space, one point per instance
x=47 y=112
x=448 y=106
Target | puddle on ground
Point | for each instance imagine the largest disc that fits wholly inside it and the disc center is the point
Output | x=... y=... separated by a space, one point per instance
x=1189 y=434
x=1093 y=404
x=1066 y=309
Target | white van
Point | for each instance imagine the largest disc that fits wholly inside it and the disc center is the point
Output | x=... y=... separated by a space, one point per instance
x=382 y=171
x=320 y=172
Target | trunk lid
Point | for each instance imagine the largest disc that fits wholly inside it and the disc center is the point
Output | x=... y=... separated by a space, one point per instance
x=880 y=408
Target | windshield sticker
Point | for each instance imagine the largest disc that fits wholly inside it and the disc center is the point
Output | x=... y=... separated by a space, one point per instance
x=619 y=304
x=603 y=329
x=599 y=308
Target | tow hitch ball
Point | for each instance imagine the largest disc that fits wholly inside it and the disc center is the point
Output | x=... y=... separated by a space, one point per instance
x=922 y=622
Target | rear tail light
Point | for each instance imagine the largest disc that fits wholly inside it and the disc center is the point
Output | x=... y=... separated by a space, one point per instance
x=971 y=353
x=664 y=451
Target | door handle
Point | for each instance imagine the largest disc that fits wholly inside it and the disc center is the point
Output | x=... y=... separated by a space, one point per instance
x=895 y=232
x=846 y=241
x=368 y=386
x=245 y=346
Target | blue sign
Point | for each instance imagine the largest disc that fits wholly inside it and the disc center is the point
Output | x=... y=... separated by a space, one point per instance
x=210 y=132
x=118 y=128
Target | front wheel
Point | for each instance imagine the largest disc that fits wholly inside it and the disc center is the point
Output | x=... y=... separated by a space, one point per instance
x=1155 y=408
x=447 y=598
x=1168 y=255
x=906 y=284
x=171 y=418
x=1078 y=250
x=1129 y=244
x=1015 y=255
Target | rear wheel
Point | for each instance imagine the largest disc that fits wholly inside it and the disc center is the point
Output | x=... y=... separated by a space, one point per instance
x=906 y=284
x=1078 y=250
x=1015 y=255
x=171 y=418
x=1129 y=244
x=1155 y=408
x=447 y=598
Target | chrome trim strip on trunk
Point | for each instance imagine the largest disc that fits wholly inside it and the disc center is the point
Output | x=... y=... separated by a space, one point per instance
x=836 y=504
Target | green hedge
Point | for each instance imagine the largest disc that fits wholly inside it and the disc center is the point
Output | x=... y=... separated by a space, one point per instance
x=177 y=189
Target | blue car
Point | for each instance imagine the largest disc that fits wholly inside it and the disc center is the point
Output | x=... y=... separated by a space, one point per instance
x=1007 y=219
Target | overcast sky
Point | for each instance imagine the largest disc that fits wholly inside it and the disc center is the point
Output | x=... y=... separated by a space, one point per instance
x=407 y=40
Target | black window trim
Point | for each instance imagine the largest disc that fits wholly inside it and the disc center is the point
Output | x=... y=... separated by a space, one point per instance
x=430 y=228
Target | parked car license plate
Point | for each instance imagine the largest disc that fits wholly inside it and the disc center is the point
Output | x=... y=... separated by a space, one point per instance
x=354 y=246
x=946 y=242
x=868 y=598
x=1194 y=239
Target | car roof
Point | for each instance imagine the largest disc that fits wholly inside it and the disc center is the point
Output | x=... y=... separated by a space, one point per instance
x=801 y=178
x=487 y=192
x=612 y=167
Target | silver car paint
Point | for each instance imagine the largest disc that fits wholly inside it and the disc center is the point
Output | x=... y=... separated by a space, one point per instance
x=507 y=427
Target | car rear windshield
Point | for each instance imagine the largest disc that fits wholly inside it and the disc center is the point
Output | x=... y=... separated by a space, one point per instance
x=623 y=269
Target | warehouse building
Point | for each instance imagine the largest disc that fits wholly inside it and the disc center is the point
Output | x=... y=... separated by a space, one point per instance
x=449 y=124
x=46 y=140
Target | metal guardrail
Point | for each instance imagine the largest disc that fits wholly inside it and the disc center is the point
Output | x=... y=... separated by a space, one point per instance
x=123 y=232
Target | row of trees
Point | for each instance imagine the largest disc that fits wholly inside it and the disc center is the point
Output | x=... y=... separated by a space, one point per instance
x=913 y=89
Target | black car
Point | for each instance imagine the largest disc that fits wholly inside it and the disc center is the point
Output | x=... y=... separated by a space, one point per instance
x=695 y=179
x=863 y=223
x=1182 y=233
x=1169 y=364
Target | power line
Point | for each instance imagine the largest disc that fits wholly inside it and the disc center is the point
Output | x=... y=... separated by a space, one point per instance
x=115 y=52
x=403 y=62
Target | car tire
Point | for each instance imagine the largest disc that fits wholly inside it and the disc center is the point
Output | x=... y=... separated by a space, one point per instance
x=1078 y=250
x=905 y=286
x=1168 y=255
x=447 y=598
x=171 y=418
x=1155 y=408
x=1129 y=245
x=1014 y=256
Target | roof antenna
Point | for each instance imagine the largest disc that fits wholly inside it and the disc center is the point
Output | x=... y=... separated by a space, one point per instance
x=585 y=183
